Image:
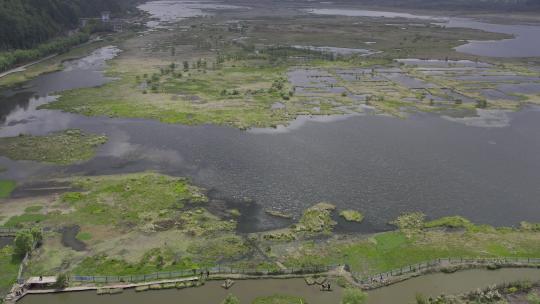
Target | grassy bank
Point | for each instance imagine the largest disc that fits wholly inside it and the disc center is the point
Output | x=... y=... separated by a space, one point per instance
x=391 y=250
x=9 y=264
x=6 y=187
x=67 y=147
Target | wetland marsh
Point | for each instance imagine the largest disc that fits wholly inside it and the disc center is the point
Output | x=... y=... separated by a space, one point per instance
x=213 y=136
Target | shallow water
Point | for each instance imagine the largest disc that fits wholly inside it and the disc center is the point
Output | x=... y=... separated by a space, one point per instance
x=368 y=13
x=168 y=11
x=336 y=50
x=524 y=44
x=456 y=283
x=5 y=241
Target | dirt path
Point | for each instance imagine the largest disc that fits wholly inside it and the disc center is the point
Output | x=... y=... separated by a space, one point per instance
x=24 y=67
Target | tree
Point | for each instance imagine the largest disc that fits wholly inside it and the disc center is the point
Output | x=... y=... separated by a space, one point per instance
x=37 y=235
x=61 y=281
x=23 y=242
x=230 y=299
x=353 y=296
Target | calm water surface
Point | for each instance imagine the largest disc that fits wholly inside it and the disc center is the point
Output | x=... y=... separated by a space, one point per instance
x=246 y=291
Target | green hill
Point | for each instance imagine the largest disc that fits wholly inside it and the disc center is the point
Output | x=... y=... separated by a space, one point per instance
x=27 y=23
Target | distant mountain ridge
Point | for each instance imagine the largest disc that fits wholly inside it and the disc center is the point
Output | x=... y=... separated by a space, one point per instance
x=27 y=23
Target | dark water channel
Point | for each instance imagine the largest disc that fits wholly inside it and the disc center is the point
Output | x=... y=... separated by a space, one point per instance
x=5 y=241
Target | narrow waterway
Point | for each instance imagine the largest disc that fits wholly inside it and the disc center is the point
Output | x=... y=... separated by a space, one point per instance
x=455 y=283
x=210 y=293
x=247 y=291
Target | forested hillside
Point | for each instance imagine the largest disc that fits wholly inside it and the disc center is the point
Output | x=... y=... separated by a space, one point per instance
x=27 y=23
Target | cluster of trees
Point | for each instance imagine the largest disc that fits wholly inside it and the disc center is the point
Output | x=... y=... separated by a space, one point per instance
x=26 y=23
x=16 y=57
x=28 y=27
x=26 y=240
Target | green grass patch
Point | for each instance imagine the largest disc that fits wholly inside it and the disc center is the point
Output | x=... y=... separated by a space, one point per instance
x=154 y=260
x=64 y=148
x=9 y=268
x=451 y=222
x=129 y=199
x=6 y=187
x=33 y=209
x=84 y=236
x=392 y=250
x=25 y=219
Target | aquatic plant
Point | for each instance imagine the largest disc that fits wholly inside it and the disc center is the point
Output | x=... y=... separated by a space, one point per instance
x=352 y=215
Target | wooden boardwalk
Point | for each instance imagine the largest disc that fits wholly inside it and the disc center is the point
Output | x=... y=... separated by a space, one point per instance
x=14 y=297
x=6 y=231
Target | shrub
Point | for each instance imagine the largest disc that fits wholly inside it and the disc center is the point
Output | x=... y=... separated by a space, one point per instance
x=353 y=296
x=23 y=242
x=230 y=299
x=61 y=281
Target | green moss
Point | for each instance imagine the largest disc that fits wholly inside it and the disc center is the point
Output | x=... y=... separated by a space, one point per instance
x=62 y=148
x=352 y=216
x=278 y=299
x=6 y=187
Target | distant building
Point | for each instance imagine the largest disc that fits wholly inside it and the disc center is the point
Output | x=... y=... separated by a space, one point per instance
x=105 y=16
